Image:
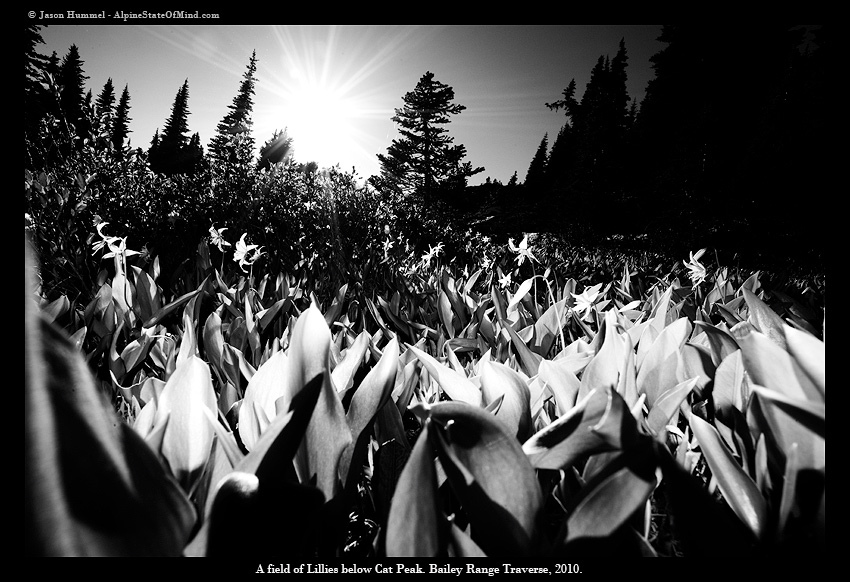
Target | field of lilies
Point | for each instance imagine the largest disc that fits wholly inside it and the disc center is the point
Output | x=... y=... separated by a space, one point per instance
x=504 y=409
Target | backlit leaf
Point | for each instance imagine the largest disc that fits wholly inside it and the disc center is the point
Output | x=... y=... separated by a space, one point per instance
x=458 y=387
x=327 y=434
x=498 y=379
x=660 y=369
x=738 y=489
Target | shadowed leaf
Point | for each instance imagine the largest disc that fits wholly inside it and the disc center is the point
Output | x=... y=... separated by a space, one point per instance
x=372 y=394
x=491 y=475
x=416 y=525
x=738 y=489
x=613 y=495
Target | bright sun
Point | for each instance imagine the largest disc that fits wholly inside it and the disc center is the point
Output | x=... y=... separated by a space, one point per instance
x=326 y=90
x=321 y=123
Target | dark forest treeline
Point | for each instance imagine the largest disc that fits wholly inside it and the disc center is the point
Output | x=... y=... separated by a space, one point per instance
x=727 y=150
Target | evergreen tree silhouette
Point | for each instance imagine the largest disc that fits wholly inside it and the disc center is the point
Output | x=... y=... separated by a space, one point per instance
x=121 y=125
x=233 y=142
x=535 y=177
x=175 y=153
x=276 y=149
x=72 y=81
x=424 y=158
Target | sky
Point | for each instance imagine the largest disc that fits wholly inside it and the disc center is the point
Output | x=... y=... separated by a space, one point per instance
x=335 y=88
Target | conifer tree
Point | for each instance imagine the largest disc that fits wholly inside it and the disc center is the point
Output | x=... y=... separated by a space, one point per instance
x=105 y=106
x=105 y=101
x=537 y=168
x=35 y=67
x=233 y=141
x=424 y=159
x=275 y=150
x=72 y=82
x=121 y=125
x=173 y=153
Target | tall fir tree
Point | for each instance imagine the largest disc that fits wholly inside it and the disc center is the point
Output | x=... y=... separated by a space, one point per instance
x=537 y=168
x=233 y=141
x=121 y=125
x=105 y=108
x=424 y=158
x=105 y=101
x=35 y=97
x=586 y=165
x=173 y=153
x=72 y=83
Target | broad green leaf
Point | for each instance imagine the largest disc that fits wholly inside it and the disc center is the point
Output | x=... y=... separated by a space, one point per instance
x=327 y=434
x=547 y=328
x=658 y=317
x=729 y=378
x=795 y=421
x=147 y=294
x=457 y=303
x=274 y=452
x=336 y=307
x=667 y=406
x=613 y=495
x=599 y=422
x=627 y=384
x=530 y=361
x=722 y=343
x=696 y=363
x=498 y=379
x=56 y=308
x=372 y=394
x=660 y=368
x=810 y=355
x=563 y=383
x=458 y=387
x=444 y=308
x=738 y=489
x=520 y=294
x=463 y=545
x=188 y=439
x=343 y=373
x=771 y=366
x=266 y=386
x=765 y=319
x=416 y=525
x=78 y=337
x=603 y=371
x=188 y=341
x=174 y=305
x=226 y=440
x=79 y=455
x=213 y=340
x=491 y=475
x=267 y=316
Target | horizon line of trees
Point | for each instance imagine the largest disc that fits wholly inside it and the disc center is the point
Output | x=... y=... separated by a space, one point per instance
x=727 y=147
x=58 y=103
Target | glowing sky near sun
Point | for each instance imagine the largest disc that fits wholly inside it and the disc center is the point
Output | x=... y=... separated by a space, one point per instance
x=334 y=88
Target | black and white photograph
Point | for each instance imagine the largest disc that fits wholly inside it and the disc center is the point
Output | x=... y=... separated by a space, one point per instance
x=424 y=299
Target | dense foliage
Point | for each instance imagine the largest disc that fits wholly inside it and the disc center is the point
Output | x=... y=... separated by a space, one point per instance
x=297 y=365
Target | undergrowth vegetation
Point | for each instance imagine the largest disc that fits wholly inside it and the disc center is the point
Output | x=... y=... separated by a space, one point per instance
x=322 y=371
